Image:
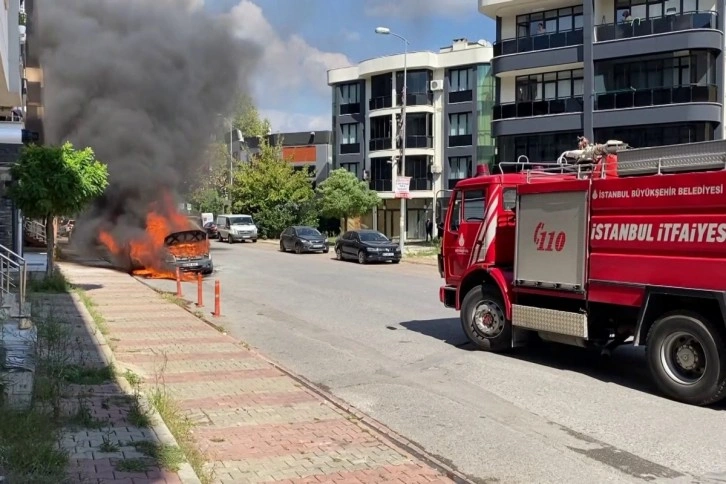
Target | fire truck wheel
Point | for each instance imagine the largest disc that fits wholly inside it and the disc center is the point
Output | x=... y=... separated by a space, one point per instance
x=484 y=320
x=687 y=358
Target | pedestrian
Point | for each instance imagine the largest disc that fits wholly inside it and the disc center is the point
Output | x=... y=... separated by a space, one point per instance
x=429 y=229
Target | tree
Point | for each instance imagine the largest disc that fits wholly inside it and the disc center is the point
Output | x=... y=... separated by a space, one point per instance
x=247 y=119
x=53 y=181
x=273 y=191
x=342 y=195
x=212 y=180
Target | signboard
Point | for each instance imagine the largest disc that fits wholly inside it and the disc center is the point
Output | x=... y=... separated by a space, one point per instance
x=402 y=185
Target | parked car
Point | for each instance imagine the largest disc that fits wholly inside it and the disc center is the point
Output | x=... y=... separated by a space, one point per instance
x=303 y=239
x=366 y=246
x=211 y=229
x=236 y=228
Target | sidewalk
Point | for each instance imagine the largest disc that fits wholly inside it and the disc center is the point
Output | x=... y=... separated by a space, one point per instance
x=254 y=422
x=104 y=440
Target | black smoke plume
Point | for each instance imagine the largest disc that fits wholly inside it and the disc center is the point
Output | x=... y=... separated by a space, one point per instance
x=142 y=82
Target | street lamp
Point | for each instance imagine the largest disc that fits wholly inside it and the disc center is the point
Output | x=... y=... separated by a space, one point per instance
x=402 y=216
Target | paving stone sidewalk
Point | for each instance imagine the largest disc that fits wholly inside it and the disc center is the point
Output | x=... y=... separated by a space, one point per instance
x=100 y=437
x=254 y=422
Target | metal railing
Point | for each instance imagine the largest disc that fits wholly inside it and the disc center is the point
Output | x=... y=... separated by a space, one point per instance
x=35 y=229
x=538 y=42
x=12 y=263
x=659 y=96
x=669 y=23
x=525 y=109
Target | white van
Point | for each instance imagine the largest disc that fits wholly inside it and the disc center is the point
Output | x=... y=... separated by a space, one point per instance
x=236 y=228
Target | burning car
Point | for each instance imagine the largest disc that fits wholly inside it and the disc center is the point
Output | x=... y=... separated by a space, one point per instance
x=189 y=251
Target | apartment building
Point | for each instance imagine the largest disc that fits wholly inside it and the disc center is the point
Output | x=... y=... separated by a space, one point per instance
x=12 y=112
x=647 y=72
x=308 y=151
x=449 y=100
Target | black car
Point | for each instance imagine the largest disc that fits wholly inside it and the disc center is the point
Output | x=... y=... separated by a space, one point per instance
x=303 y=239
x=366 y=246
x=212 y=230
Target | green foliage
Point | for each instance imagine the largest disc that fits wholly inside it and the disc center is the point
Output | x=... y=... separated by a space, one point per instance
x=247 y=119
x=274 y=192
x=342 y=195
x=212 y=182
x=50 y=181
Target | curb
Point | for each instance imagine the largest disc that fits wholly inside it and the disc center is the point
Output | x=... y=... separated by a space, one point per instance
x=186 y=473
x=407 y=260
x=386 y=434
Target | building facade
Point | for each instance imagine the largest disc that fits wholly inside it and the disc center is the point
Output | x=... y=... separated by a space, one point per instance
x=309 y=151
x=449 y=102
x=12 y=114
x=646 y=72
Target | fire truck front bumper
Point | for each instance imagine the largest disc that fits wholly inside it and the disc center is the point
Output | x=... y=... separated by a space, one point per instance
x=447 y=296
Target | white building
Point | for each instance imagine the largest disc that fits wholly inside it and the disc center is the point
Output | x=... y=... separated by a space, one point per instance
x=12 y=110
x=449 y=105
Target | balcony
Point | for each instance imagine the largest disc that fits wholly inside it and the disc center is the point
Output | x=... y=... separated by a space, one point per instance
x=656 y=97
x=417 y=99
x=421 y=142
x=420 y=184
x=378 y=144
x=460 y=140
x=381 y=185
x=537 y=108
x=538 y=42
x=349 y=148
x=689 y=31
x=565 y=48
x=663 y=25
x=350 y=108
x=461 y=96
x=380 y=102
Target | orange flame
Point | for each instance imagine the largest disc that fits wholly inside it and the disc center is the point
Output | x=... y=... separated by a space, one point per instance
x=147 y=253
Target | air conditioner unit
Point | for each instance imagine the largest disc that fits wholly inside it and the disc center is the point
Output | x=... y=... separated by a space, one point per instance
x=437 y=85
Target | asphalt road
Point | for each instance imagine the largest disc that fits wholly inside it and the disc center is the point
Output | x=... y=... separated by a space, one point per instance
x=377 y=337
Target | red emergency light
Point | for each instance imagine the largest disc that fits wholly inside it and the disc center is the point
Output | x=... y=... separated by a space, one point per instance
x=482 y=170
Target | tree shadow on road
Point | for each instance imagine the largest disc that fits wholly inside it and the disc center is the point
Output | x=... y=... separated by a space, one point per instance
x=626 y=367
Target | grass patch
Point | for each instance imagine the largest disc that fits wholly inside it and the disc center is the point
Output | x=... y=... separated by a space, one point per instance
x=133 y=465
x=29 y=451
x=173 y=298
x=84 y=419
x=169 y=457
x=55 y=283
x=79 y=375
x=181 y=428
x=98 y=318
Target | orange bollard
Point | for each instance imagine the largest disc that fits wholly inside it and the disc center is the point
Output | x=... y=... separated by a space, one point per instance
x=217 y=311
x=200 y=292
x=178 y=283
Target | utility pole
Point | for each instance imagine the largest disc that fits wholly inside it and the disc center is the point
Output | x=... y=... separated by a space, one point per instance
x=402 y=158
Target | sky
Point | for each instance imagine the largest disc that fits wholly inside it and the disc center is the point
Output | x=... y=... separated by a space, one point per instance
x=302 y=39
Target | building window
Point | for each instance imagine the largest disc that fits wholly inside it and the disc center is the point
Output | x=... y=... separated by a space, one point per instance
x=540 y=148
x=309 y=170
x=550 y=22
x=460 y=168
x=349 y=133
x=628 y=10
x=351 y=167
x=551 y=85
x=460 y=80
x=381 y=175
x=459 y=124
x=380 y=133
x=417 y=87
x=417 y=167
x=350 y=94
x=658 y=135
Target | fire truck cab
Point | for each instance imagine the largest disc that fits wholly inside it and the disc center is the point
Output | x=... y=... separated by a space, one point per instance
x=606 y=246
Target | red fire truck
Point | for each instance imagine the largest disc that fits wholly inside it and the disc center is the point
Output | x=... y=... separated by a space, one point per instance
x=607 y=246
